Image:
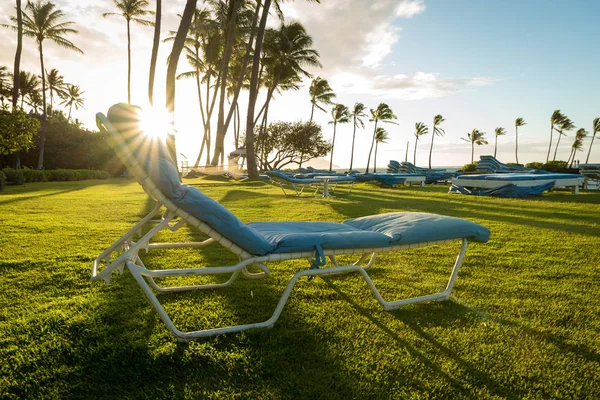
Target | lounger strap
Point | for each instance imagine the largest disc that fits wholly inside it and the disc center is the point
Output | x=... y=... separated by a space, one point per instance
x=319 y=260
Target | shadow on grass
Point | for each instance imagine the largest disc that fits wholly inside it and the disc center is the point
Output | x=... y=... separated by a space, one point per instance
x=438 y=315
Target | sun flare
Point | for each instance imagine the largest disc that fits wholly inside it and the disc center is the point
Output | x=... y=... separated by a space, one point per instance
x=156 y=122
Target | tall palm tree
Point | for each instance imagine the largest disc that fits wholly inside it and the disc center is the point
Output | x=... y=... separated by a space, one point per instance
x=475 y=137
x=518 y=122
x=154 y=54
x=320 y=92
x=287 y=51
x=381 y=136
x=382 y=113
x=499 y=131
x=577 y=145
x=555 y=119
x=420 y=130
x=437 y=121
x=596 y=129
x=565 y=125
x=56 y=84
x=340 y=115
x=132 y=11
x=41 y=21
x=17 y=67
x=178 y=44
x=357 y=114
x=72 y=97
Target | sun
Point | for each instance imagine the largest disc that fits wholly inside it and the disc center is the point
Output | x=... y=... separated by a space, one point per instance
x=156 y=122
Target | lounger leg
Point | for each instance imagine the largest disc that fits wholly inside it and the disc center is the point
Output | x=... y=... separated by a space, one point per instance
x=136 y=271
x=445 y=295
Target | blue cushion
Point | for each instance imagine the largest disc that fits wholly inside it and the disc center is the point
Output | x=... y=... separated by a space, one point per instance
x=415 y=227
x=223 y=221
x=304 y=236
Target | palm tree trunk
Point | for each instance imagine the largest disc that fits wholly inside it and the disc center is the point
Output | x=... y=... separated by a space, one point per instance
x=557 y=143
x=43 y=132
x=352 y=152
x=250 y=156
x=415 y=156
x=220 y=140
x=312 y=111
x=375 y=159
x=590 y=150
x=199 y=89
x=517 y=144
x=332 y=146
x=70 y=108
x=184 y=27
x=155 y=43
x=245 y=61
x=128 y=63
x=371 y=150
x=550 y=144
x=495 y=146
x=406 y=154
x=15 y=93
x=431 y=147
x=472 y=152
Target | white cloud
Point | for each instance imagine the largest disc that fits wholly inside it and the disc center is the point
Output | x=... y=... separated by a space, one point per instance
x=408 y=9
x=421 y=85
x=379 y=44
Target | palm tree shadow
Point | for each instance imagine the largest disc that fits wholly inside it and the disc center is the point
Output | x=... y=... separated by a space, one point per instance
x=442 y=315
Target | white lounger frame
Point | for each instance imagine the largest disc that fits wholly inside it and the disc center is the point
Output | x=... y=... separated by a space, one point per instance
x=128 y=255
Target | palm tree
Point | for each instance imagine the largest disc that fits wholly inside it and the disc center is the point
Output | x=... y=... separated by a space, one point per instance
x=420 y=130
x=475 y=137
x=131 y=10
x=358 y=112
x=381 y=136
x=154 y=54
x=72 y=97
x=287 y=51
x=43 y=21
x=499 y=131
x=55 y=83
x=577 y=145
x=555 y=119
x=596 y=129
x=320 y=92
x=340 y=115
x=28 y=84
x=4 y=85
x=437 y=121
x=518 y=122
x=382 y=113
x=565 y=125
x=17 y=67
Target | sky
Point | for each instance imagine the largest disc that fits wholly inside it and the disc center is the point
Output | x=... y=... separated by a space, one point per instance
x=481 y=64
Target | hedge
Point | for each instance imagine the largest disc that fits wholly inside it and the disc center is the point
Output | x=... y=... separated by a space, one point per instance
x=20 y=176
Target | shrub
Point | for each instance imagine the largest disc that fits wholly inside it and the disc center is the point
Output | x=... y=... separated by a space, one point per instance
x=2 y=180
x=514 y=164
x=34 y=175
x=536 y=165
x=14 y=176
x=555 y=165
x=469 y=167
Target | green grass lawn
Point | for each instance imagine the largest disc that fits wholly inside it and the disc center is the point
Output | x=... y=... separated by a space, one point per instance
x=523 y=321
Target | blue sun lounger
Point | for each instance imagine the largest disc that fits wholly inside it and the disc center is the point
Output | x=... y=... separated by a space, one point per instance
x=256 y=243
x=493 y=181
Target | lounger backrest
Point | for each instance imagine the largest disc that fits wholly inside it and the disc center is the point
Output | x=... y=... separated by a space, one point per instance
x=150 y=163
